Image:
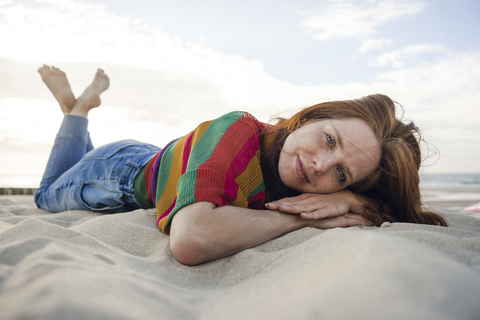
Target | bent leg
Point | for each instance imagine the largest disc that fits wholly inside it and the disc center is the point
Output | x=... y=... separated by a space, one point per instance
x=89 y=147
x=68 y=149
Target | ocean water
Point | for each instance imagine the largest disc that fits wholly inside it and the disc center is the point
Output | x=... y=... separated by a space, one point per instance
x=450 y=180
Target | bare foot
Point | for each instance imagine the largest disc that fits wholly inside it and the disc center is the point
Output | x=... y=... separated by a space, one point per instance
x=90 y=98
x=57 y=82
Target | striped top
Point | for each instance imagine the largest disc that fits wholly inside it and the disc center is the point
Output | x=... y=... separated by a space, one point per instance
x=217 y=162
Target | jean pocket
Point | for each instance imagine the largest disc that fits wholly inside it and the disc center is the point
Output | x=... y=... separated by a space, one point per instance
x=109 y=150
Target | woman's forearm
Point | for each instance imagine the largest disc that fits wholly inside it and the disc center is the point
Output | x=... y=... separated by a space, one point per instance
x=202 y=232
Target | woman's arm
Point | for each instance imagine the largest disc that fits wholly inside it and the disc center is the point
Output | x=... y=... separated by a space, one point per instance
x=202 y=232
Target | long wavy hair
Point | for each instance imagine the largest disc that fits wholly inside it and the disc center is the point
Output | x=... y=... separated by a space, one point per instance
x=393 y=189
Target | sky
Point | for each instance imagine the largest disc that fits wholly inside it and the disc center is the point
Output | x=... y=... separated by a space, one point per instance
x=174 y=64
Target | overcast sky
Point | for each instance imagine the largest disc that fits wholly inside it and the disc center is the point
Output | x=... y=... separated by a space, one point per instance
x=173 y=64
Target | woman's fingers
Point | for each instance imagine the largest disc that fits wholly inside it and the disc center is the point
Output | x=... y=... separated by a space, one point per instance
x=328 y=211
x=291 y=201
x=312 y=206
x=296 y=204
x=304 y=207
x=344 y=221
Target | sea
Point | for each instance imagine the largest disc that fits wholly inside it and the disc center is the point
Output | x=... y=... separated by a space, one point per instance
x=450 y=180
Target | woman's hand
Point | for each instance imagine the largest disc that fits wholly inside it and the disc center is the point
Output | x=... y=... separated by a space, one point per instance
x=322 y=206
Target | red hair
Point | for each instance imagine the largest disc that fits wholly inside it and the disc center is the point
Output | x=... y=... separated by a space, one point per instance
x=393 y=189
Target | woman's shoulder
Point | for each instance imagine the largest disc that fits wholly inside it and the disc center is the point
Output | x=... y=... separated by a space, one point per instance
x=242 y=119
x=232 y=129
x=239 y=115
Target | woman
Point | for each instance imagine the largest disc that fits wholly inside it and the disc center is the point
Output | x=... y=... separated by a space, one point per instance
x=234 y=182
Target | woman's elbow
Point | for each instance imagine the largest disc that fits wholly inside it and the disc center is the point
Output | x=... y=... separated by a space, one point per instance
x=188 y=250
x=189 y=237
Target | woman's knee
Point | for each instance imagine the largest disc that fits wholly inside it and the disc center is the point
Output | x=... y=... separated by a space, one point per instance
x=42 y=201
x=56 y=199
x=37 y=197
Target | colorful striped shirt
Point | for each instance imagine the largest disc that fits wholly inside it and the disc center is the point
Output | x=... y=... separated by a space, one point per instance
x=218 y=162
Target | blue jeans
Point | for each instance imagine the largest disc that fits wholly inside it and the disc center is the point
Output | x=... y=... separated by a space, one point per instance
x=78 y=176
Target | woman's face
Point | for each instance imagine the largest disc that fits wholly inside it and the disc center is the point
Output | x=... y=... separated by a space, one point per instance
x=324 y=156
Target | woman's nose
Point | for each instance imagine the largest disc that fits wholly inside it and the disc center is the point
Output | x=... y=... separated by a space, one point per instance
x=322 y=163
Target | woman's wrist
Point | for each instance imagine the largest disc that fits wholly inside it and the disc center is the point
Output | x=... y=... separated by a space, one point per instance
x=357 y=202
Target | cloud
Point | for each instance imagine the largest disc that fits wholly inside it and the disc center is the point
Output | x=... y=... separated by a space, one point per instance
x=443 y=97
x=339 y=19
x=345 y=19
x=397 y=57
x=373 y=44
x=72 y=32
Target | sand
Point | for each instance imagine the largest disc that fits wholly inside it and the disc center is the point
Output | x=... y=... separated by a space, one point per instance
x=83 y=265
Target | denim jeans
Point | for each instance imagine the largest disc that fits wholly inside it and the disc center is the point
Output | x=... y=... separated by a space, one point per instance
x=77 y=176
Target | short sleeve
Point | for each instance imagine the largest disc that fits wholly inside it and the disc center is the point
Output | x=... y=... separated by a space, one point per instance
x=223 y=166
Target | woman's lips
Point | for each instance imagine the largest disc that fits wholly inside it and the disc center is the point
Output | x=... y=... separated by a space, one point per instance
x=300 y=169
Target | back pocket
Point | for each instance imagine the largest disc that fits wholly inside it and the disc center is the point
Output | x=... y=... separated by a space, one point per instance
x=101 y=195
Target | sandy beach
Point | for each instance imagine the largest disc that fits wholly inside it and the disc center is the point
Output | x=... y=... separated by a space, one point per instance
x=83 y=265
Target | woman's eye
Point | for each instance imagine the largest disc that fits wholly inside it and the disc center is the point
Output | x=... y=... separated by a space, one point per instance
x=342 y=176
x=330 y=140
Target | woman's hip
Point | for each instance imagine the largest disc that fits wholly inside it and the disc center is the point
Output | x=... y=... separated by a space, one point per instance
x=116 y=161
x=102 y=180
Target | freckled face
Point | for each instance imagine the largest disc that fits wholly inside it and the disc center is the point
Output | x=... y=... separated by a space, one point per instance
x=325 y=156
